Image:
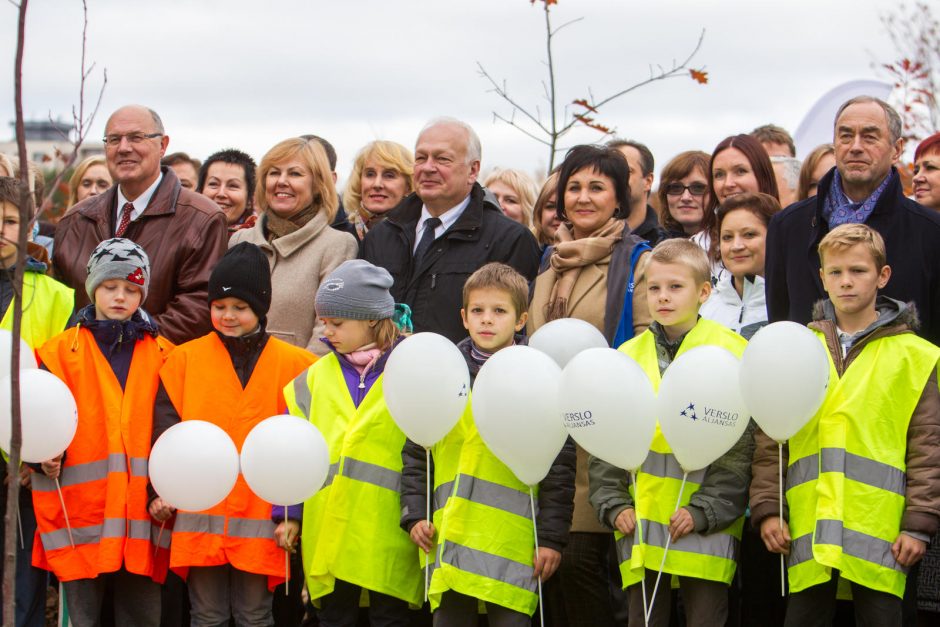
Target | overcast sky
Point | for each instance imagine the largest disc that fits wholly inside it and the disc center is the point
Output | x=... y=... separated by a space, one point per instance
x=247 y=74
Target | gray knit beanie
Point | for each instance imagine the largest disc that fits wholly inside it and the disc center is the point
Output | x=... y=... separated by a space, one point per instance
x=356 y=290
x=118 y=258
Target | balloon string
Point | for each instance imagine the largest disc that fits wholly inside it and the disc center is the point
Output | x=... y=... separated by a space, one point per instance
x=286 y=560
x=639 y=543
x=65 y=511
x=783 y=590
x=159 y=539
x=535 y=533
x=19 y=523
x=427 y=488
x=662 y=564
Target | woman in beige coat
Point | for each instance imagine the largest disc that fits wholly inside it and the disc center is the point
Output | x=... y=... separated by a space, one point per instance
x=592 y=265
x=297 y=200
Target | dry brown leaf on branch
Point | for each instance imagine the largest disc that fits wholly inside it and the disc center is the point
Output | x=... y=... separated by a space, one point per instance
x=699 y=76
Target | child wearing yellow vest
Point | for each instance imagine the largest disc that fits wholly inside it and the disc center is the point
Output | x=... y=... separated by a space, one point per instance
x=46 y=310
x=351 y=542
x=233 y=378
x=862 y=487
x=110 y=362
x=706 y=529
x=481 y=540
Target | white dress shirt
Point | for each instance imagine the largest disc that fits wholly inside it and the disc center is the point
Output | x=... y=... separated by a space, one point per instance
x=448 y=218
x=140 y=203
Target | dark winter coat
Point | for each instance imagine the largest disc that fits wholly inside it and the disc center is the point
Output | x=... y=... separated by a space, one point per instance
x=434 y=288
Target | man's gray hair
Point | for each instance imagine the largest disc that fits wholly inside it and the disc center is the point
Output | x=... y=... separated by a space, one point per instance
x=474 y=149
x=895 y=127
x=791 y=169
x=157 y=122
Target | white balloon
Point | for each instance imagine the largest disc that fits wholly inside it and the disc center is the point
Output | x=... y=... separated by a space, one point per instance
x=194 y=465
x=516 y=411
x=285 y=460
x=608 y=406
x=701 y=412
x=49 y=416
x=784 y=376
x=564 y=338
x=426 y=385
x=27 y=356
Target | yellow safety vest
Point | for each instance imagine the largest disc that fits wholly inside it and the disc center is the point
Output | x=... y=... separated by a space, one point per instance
x=486 y=543
x=351 y=527
x=47 y=306
x=710 y=556
x=846 y=476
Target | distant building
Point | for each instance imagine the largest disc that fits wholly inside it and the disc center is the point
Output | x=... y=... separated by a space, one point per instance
x=48 y=143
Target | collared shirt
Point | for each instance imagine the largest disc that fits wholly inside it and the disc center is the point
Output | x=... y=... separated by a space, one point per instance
x=140 y=203
x=448 y=218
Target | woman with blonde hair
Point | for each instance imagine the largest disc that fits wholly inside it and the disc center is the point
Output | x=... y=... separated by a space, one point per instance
x=544 y=215
x=516 y=191
x=90 y=178
x=382 y=174
x=296 y=200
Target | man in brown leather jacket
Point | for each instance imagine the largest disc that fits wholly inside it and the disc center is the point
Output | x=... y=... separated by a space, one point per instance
x=183 y=232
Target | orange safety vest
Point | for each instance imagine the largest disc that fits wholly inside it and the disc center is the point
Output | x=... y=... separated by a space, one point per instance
x=203 y=385
x=104 y=475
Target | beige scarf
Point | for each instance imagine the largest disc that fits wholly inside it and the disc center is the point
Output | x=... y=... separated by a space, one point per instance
x=275 y=226
x=571 y=255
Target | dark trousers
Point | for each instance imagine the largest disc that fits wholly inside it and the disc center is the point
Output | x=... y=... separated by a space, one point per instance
x=705 y=602
x=587 y=583
x=460 y=610
x=759 y=577
x=340 y=608
x=136 y=600
x=816 y=606
x=289 y=608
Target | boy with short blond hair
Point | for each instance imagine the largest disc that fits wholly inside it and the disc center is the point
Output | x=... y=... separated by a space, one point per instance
x=862 y=487
x=470 y=531
x=706 y=529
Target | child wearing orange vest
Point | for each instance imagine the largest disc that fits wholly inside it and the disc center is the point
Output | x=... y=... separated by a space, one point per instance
x=110 y=362
x=232 y=377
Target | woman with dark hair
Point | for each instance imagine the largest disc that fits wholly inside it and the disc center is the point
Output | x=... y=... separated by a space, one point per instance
x=927 y=172
x=227 y=178
x=815 y=166
x=737 y=302
x=590 y=275
x=684 y=193
x=739 y=164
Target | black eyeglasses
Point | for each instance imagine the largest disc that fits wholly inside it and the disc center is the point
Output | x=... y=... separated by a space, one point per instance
x=677 y=189
x=132 y=138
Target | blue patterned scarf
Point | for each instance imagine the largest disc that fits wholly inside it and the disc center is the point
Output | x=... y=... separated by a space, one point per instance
x=838 y=209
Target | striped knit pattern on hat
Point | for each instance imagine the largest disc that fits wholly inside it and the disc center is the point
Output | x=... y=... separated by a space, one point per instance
x=356 y=290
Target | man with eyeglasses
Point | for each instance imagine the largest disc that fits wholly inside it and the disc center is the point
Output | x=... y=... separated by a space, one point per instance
x=642 y=219
x=183 y=232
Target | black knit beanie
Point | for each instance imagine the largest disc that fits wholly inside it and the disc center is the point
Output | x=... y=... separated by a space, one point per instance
x=243 y=273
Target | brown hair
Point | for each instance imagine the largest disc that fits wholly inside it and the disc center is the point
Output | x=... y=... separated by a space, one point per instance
x=764 y=206
x=11 y=190
x=682 y=165
x=683 y=252
x=773 y=134
x=499 y=276
x=386 y=332
x=847 y=235
x=314 y=157
x=546 y=195
x=809 y=165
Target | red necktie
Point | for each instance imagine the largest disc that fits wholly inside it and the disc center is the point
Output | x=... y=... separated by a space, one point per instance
x=125 y=219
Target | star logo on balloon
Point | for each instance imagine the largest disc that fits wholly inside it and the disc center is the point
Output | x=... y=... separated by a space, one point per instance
x=463 y=391
x=689 y=412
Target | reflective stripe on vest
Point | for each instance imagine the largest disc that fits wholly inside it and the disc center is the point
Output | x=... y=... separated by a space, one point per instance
x=47 y=307
x=855 y=467
x=722 y=545
x=371 y=473
x=489 y=566
x=202 y=384
x=710 y=556
x=495 y=495
x=846 y=479
x=356 y=518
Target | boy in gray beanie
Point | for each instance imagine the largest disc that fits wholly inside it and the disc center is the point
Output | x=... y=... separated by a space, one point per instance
x=118 y=259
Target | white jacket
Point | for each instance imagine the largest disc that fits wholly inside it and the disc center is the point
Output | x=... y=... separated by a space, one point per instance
x=742 y=315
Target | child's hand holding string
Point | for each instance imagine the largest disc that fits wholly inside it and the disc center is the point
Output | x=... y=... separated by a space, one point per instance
x=422 y=534
x=286 y=534
x=681 y=524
